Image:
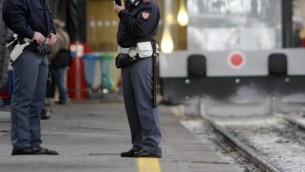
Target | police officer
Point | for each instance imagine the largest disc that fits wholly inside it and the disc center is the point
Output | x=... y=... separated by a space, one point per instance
x=31 y=20
x=137 y=29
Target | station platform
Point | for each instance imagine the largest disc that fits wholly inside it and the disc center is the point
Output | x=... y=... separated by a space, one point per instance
x=90 y=136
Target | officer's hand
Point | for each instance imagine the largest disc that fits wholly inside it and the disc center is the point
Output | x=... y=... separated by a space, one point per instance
x=53 y=39
x=38 y=37
x=117 y=8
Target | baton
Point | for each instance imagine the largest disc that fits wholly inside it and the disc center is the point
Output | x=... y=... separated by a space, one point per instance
x=155 y=73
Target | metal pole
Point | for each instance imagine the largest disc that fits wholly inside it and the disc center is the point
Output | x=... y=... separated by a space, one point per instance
x=287 y=23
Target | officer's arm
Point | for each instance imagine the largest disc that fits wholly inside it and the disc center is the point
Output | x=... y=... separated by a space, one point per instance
x=142 y=25
x=14 y=12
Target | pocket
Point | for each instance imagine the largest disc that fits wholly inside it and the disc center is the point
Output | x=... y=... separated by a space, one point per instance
x=144 y=49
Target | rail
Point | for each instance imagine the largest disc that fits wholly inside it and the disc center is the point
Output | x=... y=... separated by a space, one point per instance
x=245 y=150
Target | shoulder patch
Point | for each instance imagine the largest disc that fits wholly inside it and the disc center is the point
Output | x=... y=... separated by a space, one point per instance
x=145 y=15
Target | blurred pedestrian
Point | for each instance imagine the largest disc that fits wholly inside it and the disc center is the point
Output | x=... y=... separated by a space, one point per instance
x=31 y=20
x=297 y=28
x=137 y=30
x=60 y=60
x=50 y=94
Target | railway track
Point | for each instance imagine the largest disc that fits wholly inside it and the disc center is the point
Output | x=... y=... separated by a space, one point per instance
x=260 y=162
x=296 y=121
x=270 y=143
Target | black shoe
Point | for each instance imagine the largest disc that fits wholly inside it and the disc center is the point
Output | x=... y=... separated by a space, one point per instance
x=25 y=151
x=144 y=154
x=44 y=151
x=34 y=151
x=45 y=114
x=60 y=102
x=131 y=152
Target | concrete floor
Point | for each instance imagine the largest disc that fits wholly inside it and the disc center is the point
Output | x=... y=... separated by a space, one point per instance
x=90 y=135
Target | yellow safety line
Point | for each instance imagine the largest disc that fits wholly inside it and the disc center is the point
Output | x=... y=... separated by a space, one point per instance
x=149 y=165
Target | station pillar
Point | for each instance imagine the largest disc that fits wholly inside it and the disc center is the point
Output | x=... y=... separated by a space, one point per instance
x=77 y=86
x=76 y=27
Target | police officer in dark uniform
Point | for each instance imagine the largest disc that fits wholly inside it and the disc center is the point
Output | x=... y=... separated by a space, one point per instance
x=137 y=30
x=31 y=20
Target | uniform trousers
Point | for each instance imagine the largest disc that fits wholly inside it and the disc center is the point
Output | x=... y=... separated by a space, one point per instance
x=137 y=82
x=30 y=78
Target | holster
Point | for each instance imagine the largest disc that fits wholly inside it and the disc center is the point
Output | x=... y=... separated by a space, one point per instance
x=16 y=45
x=12 y=41
x=124 y=60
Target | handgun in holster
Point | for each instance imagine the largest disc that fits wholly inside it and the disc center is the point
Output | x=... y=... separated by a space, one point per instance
x=15 y=44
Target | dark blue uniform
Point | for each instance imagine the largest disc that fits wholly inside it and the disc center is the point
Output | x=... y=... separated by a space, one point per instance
x=139 y=23
x=24 y=17
x=134 y=27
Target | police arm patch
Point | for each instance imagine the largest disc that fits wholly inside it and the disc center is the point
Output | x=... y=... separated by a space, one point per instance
x=145 y=15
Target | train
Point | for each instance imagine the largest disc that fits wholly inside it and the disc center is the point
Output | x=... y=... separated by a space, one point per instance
x=239 y=52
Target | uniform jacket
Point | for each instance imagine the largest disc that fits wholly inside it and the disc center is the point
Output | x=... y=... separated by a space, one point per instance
x=138 y=23
x=24 y=17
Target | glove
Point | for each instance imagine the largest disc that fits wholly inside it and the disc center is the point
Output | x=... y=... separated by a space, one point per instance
x=43 y=49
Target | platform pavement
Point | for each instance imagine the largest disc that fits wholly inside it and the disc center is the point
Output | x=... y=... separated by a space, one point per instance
x=90 y=136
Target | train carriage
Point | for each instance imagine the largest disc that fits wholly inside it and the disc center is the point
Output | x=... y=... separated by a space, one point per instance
x=239 y=52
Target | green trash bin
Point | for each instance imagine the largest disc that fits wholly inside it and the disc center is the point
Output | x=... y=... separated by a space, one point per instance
x=107 y=61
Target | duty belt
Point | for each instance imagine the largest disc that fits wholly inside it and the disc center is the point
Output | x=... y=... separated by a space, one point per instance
x=132 y=52
x=143 y=50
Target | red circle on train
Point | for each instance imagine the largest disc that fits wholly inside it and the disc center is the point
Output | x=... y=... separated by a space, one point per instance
x=236 y=59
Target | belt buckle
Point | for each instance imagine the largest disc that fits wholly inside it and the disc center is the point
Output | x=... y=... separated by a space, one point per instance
x=132 y=52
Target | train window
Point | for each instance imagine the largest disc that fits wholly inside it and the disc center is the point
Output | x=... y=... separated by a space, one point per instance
x=218 y=25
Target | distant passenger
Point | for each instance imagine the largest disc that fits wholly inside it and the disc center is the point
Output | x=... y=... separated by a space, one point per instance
x=60 y=60
x=297 y=29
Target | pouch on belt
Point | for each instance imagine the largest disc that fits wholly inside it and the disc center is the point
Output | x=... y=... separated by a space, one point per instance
x=124 y=60
x=144 y=49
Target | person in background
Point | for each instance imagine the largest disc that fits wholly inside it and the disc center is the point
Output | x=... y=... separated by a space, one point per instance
x=46 y=111
x=63 y=41
x=30 y=70
x=298 y=30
